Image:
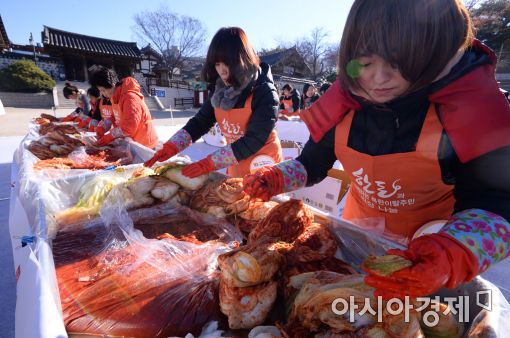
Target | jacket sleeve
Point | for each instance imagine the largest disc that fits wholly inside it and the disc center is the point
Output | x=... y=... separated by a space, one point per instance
x=132 y=112
x=296 y=101
x=318 y=158
x=262 y=122
x=484 y=183
x=86 y=104
x=200 y=124
x=482 y=210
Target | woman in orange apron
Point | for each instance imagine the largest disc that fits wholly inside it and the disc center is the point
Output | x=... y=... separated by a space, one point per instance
x=106 y=109
x=132 y=116
x=290 y=102
x=243 y=102
x=409 y=131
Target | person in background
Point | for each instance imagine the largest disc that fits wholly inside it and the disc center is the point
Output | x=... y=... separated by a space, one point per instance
x=244 y=103
x=95 y=115
x=132 y=117
x=82 y=111
x=417 y=120
x=309 y=95
x=325 y=86
x=290 y=102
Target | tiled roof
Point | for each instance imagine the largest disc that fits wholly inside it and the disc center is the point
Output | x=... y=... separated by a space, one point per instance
x=4 y=39
x=273 y=58
x=55 y=38
x=148 y=50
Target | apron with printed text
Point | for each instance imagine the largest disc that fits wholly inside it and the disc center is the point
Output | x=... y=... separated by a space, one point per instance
x=233 y=124
x=404 y=189
x=110 y=112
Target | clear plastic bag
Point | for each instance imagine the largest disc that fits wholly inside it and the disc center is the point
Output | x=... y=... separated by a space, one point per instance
x=114 y=281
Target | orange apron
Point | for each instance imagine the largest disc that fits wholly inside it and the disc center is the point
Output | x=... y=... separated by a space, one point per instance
x=233 y=124
x=288 y=105
x=406 y=190
x=109 y=112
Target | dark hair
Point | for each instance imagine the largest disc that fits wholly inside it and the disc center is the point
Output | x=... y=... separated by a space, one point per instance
x=104 y=77
x=93 y=91
x=230 y=45
x=306 y=86
x=69 y=90
x=325 y=86
x=287 y=87
x=419 y=37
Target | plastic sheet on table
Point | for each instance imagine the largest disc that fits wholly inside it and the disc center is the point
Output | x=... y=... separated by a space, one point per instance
x=33 y=185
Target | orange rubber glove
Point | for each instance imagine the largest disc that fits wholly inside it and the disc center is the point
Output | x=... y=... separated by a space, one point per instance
x=265 y=183
x=169 y=149
x=105 y=140
x=100 y=131
x=439 y=261
x=201 y=167
x=69 y=118
x=84 y=123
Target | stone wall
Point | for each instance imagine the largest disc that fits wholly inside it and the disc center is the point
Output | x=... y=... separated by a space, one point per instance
x=27 y=100
x=52 y=66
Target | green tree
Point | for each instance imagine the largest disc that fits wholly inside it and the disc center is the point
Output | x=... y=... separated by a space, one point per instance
x=25 y=76
x=491 y=20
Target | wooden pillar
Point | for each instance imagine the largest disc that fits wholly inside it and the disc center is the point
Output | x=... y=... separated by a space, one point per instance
x=85 y=69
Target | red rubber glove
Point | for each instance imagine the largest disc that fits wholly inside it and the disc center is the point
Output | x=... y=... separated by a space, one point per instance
x=105 y=140
x=169 y=149
x=439 y=261
x=265 y=183
x=100 y=131
x=68 y=118
x=77 y=119
x=204 y=166
x=93 y=128
x=84 y=123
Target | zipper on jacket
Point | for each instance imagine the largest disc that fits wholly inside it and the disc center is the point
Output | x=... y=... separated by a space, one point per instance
x=395 y=118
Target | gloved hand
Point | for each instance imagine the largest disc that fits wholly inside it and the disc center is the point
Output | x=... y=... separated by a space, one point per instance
x=100 y=131
x=84 y=123
x=265 y=183
x=69 y=118
x=201 y=167
x=105 y=140
x=169 y=149
x=438 y=260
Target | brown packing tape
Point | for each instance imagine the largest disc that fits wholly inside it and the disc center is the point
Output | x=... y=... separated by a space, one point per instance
x=286 y=144
x=344 y=177
x=289 y=144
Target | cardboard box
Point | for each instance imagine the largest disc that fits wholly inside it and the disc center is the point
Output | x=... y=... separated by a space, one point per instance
x=290 y=149
x=327 y=195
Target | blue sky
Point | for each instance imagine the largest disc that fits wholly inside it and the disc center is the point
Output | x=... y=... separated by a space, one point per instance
x=266 y=23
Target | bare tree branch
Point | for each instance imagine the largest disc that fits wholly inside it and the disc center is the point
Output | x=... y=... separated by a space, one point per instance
x=176 y=37
x=470 y=4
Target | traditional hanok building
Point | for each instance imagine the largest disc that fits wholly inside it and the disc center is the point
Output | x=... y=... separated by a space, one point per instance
x=80 y=52
x=4 y=39
x=288 y=66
